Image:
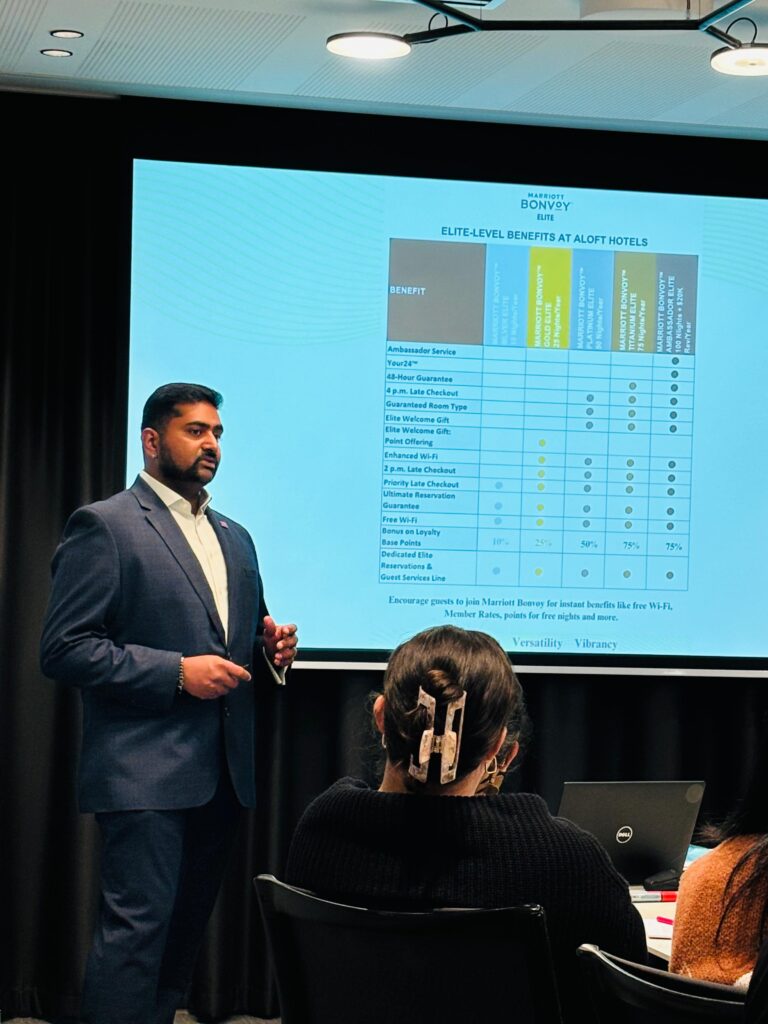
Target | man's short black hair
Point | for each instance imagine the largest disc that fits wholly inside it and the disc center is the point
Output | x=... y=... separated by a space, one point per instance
x=162 y=403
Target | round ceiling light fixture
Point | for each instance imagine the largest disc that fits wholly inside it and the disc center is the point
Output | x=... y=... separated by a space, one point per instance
x=66 y=33
x=368 y=45
x=56 y=53
x=744 y=59
x=749 y=59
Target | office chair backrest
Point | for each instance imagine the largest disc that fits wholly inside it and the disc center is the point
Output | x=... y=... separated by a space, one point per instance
x=627 y=993
x=335 y=964
x=757 y=996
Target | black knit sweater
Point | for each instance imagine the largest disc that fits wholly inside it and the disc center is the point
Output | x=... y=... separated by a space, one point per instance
x=403 y=851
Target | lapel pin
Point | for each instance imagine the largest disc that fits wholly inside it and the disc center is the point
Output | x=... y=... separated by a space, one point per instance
x=224 y=524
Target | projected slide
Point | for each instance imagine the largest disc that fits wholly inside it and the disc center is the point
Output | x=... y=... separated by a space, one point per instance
x=538 y=412
x=538 y=417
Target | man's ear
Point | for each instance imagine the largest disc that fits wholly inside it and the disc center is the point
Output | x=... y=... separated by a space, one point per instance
x=150 y=442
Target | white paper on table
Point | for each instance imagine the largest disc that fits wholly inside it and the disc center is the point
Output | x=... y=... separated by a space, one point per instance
x=656 y=930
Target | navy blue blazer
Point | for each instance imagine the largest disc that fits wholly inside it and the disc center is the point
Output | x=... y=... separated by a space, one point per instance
x=129 y=598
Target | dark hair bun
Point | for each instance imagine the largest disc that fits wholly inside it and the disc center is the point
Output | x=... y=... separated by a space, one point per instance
x=445 y=662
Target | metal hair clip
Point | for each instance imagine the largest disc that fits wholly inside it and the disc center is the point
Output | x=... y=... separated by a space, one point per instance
x=447 y=745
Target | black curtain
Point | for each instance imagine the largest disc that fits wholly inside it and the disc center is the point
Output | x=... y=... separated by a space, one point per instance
x=63 y=373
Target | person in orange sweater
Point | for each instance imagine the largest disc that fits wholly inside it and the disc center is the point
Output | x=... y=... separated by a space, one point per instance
x=722 y=905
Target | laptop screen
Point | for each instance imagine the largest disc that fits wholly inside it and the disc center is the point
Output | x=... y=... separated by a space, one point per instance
x=645 y=827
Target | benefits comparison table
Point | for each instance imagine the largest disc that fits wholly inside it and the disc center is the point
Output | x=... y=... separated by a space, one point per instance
x=538 y=413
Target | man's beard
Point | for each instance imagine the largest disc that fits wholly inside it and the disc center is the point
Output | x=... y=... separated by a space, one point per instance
x=171 y=470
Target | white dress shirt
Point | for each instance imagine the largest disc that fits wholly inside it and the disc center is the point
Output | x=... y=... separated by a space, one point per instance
x=204 y=543
x=201 y=537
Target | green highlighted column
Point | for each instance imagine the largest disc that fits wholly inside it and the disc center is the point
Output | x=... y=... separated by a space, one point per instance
x=634 y=302
x=549 y=297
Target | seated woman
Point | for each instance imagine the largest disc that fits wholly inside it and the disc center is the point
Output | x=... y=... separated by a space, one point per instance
x=437 y=833
x=722 y=906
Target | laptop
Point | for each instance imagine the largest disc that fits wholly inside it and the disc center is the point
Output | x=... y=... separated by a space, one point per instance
x=645 y=827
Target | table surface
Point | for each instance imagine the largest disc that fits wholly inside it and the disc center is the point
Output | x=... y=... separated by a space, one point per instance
x=658 y=935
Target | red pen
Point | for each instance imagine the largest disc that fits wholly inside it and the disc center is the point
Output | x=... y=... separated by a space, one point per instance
x=654 y=896
x=665 y=920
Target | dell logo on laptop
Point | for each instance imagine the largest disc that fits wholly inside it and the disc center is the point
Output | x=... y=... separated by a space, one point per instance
x=624 y=834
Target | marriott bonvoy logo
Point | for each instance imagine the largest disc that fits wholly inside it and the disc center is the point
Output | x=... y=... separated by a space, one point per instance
x=624 y=834
x=546 y=202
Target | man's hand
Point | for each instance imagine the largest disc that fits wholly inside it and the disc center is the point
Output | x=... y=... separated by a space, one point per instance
x=279 y=642
x=207 y=676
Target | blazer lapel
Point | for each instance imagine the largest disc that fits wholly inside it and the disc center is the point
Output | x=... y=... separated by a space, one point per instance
x=160 y=519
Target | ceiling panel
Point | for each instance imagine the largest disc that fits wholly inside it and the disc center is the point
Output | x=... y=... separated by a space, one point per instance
x=637 y=79
x=18 y=21
x=184 y=45
x=272 y=51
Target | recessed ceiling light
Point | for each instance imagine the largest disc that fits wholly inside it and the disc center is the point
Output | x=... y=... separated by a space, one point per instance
x=67 y=33
x=368 y=45
x=56 y=53
x=749 y=59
